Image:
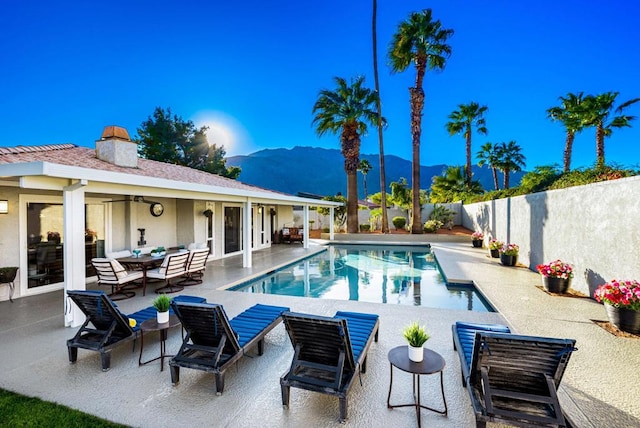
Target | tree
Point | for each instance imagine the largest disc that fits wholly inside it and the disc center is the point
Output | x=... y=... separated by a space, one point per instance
x=421 y=41
x=347 y=110
x=383 y=178
x=463 y=121
x=364 y=168
x=400 y=193
x=488 y=155
x=452 y=186
x=599 y=108
x=171 y=139
x=571 y=114
x=339 y=213
x=510 y=159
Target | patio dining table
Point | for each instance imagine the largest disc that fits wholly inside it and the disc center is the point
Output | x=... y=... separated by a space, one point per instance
x=144 y=263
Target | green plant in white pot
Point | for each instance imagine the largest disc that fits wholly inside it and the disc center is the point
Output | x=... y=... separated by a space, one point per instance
x=162 y=303
x=416 y=336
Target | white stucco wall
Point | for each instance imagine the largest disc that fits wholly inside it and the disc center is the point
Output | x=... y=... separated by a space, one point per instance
x=595 y=228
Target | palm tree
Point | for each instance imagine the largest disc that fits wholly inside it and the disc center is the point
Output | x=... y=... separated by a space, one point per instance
x=510 y=159
x=462 y=121
x=364 y=168
x=421 y=41
x=347 y=110
x=598 y=109
x=383 y=178
x=488 y=155
x=571 y=113
x=452 y=185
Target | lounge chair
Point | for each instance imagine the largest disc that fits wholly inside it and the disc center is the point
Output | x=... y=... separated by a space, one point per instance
x=328 y=352
x=106 y=327
x=213 y=342
x=512 y=379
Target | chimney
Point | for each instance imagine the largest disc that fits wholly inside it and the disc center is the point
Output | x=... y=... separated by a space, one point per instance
x=116 y=147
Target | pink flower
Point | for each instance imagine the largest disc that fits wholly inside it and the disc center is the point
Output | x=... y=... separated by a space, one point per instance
x=620 y=293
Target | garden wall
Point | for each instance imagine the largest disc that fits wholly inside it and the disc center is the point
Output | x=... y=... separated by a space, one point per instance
x=595 y=228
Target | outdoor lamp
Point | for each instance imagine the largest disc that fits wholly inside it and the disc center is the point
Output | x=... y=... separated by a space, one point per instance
x=4 y=207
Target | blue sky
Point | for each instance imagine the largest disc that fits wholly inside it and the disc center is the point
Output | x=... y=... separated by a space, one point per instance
x=252 y=70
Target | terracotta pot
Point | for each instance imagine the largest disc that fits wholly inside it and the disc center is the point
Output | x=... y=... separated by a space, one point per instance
x=624 y=319
x=508 y=260
x=556 y=285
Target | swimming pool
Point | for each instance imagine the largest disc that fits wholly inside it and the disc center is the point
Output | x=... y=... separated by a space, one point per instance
x=379 y=274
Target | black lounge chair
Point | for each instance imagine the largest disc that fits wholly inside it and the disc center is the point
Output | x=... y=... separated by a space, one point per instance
x=328 y=352
x=512 y=379
x=105 y=326
x=213 y=342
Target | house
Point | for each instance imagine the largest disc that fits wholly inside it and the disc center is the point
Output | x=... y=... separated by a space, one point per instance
x=66 y=204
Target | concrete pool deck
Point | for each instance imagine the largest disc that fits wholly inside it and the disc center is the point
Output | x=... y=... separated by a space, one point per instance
x=601 y=380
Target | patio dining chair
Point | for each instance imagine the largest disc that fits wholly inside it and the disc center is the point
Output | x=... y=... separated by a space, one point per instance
x=173 y=266
x=328 y=353
x=196 y=264
x=111 y=272
x=213 y=342
x=512 y=379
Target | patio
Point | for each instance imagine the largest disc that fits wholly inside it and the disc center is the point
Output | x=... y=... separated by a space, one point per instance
x=35 y=359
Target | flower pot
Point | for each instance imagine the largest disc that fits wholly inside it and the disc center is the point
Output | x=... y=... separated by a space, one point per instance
x=624 y=319
x=416 y=354
x=508 y=260
x=556 y=285
x=163 y=317
x=477 y=243
x=495 y=253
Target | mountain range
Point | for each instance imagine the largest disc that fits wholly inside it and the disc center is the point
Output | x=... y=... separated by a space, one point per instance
x=320 y=171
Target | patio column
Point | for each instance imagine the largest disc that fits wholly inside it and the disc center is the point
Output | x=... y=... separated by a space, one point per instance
x=246 y=235
x=73 y=250
x=331 y=218
x=305 y=223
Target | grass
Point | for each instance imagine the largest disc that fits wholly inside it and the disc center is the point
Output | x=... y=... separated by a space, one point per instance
x=22 y=411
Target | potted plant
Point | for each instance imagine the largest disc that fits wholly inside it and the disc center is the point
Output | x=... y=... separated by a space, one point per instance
x=416 y=336
x=476 y=239
x=53 y=237
x=162 y=304
x=556 y=276
x=621 y=300
x=8 y=274
x=509 y=254
x=494 y=247
x=89 y=235
x=158 y=252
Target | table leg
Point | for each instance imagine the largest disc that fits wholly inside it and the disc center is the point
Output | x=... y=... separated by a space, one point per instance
x=163 y=349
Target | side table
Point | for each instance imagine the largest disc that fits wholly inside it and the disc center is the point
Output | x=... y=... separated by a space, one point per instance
x=152 y=325
x=431 y=363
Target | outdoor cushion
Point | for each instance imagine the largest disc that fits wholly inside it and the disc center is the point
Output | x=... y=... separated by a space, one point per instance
x=119 y=269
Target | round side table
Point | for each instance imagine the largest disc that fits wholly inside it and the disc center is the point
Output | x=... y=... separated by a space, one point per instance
x=432 y=363
x=152 y=325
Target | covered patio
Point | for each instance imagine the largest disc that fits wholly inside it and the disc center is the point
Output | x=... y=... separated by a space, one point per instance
x=35 y=359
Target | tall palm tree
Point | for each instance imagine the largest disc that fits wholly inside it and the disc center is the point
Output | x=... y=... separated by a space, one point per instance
x=364 y=168
x=463 y=121
x=488 y=155
x=419 y=40
x=599 y=108
x=452 y=185
x=571 y=113
x=510 y=160
x=347 y=110
x=383 y=178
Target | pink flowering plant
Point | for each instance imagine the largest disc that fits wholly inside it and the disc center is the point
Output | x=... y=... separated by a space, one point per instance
x=620 y=293
x=494 y=244
x=477 y=236
x=556 y=269
x=510 y=250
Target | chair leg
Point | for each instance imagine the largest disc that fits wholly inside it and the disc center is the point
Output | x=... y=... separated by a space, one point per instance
x=343 y=409
x=286 y=390
x=481 y=424
x=106 y=360
x=364 y=365
x=73 y=354
x=219 y=383
x=261 y=346
x=175 y=374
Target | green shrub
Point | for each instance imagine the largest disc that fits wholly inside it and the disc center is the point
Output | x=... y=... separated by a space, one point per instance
x=365 y=227
x=326 y=230
x=431 y=226
x=399 y=222
x=442 y=214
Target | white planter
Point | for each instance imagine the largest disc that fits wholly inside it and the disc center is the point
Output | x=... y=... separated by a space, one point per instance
x=163 y=317
x=416 y=354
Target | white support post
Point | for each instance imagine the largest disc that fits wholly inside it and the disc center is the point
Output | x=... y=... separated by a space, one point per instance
x=331 y=222
x=246 y=235
x=305 y=226
x=74 y=250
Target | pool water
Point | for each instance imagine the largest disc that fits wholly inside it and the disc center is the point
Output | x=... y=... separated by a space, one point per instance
x=391 y=274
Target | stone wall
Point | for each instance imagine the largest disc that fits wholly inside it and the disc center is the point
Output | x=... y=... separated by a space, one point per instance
x=595 y=228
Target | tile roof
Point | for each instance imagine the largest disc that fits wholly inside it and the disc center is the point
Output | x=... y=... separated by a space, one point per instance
x=72 y=155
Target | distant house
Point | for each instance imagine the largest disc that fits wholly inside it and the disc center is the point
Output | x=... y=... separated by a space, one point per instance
x=66 y=204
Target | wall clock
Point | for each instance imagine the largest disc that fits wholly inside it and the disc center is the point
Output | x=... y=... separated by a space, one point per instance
x=156 y=209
